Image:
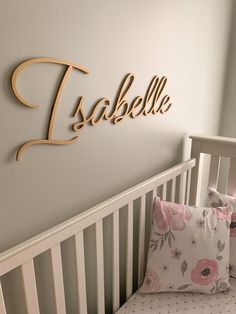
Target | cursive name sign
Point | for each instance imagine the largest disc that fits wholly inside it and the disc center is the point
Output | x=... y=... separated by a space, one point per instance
x=153 y=102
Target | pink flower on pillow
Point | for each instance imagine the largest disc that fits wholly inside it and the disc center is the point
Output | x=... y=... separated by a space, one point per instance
x=161 y=216
x=221 y=215
x=205 y=272
x=233 y=225
x=170 y=215
x=151 y=282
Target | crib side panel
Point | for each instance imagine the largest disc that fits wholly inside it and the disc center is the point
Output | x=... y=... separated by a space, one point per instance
x=221 y=152
x=172 y=184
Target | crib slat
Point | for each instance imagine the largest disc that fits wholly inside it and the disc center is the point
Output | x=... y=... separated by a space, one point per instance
x=2 y=303
x=154 y=192
x=81 y=281
x=189 y=173
x=182 y=188
x=231 y=190
x=100 y=268
x=173 y=188
x=30 y=288
x=164 y=190
x=141 y=241
x=116 y=262
x=214 y=171
x=58 y=279
x=129 y=251
x=196 y=172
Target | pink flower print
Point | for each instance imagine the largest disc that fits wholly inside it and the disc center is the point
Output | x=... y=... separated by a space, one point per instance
x=179 y=214
x=187 y=213
x=151 y=282
x=161 y=216
x=170 y=215
x=222 y=213
x=205 y=272
x=219 y=214
x=233 y=225
x=228 y=211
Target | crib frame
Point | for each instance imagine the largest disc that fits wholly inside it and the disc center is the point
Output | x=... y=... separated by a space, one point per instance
x=23 y=255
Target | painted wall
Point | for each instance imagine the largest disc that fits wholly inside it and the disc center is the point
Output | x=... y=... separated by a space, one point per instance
x=185 y=40
x=228 y=113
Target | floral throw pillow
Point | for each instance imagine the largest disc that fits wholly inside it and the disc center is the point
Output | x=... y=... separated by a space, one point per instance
x=189 y=249
x=216 y=199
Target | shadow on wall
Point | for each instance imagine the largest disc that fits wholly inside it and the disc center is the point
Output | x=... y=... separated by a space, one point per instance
x=228 y=111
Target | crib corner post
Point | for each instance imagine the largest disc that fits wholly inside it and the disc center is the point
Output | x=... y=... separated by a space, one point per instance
x=196 y=172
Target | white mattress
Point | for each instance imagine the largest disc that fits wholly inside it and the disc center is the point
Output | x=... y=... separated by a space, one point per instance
x=189 y=303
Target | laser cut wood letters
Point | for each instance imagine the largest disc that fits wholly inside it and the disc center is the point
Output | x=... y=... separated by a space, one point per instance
x=153 y=102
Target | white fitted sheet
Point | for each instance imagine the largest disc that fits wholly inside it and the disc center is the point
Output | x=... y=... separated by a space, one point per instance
x=189 y=303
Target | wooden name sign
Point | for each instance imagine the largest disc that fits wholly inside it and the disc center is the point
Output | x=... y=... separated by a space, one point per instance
x=153 y=102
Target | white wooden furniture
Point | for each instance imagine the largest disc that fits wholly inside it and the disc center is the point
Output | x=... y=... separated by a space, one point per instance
x=179 y=183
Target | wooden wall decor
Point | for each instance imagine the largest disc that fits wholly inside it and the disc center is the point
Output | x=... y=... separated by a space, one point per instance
x=153 y=102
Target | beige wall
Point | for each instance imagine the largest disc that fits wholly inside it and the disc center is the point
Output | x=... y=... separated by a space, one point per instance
x=228 y=114
x=185 y=40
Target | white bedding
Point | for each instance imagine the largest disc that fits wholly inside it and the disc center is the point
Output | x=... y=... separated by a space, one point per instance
x=190 y=303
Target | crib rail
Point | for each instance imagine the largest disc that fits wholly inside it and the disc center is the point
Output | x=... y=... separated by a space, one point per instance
x=23 y=255
x=222 y=164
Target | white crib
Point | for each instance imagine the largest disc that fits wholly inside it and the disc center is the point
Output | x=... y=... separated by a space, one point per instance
x=180 y=183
